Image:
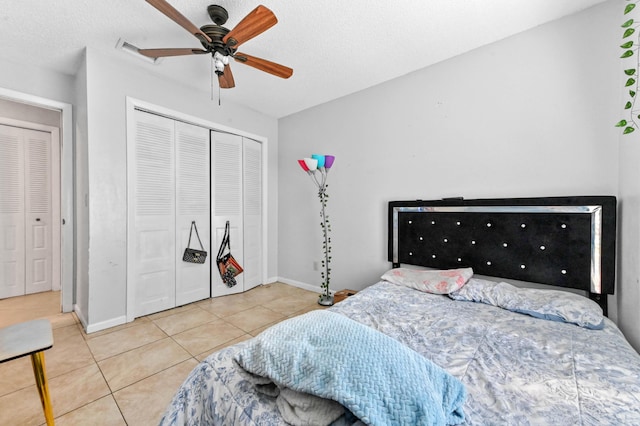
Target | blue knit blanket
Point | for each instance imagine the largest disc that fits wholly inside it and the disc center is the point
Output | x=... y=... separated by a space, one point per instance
x=378 y=379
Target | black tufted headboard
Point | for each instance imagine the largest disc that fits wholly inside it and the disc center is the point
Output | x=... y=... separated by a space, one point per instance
x=560 y=241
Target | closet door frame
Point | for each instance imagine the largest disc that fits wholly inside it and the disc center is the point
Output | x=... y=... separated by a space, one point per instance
x=133 y=104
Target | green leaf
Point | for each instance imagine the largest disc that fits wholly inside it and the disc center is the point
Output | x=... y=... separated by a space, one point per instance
x=627 y=45
x=628 y=8
x=628 y=32
x=627 y=24
x=630 y=82
x=630 y=71
x=627 y=54
x=628 y=130
x=621 y=123
x=628 y=105
x=632 y=93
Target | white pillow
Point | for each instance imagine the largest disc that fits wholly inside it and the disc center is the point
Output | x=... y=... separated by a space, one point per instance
x=551 y=305
x=430 y=281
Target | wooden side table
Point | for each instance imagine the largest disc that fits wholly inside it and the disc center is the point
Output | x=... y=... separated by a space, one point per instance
x=30 y=338
x=339 y=296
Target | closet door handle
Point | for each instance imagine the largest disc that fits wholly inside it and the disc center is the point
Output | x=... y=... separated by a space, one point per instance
x=37 y=219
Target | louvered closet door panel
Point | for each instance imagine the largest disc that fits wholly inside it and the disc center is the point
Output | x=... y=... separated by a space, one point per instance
x=151 y=244
x=192 y=204
x=252 y=182
x=12 y=224
x=226 y=184
x=38 y=226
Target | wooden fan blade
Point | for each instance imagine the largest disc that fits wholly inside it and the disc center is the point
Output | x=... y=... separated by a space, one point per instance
x=256 y=22
x=264 y=65
x=226 y=79
x=177 y=17
x=158 y=53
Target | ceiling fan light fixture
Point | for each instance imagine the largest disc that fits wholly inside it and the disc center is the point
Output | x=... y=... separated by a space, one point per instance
x=219 y=61
x=135 y=51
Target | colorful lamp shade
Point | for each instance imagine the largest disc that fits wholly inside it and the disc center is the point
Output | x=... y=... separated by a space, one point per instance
x=303 y=165
x=328 y=161
x=311 y=163
x=320 y=159
x=317 y=161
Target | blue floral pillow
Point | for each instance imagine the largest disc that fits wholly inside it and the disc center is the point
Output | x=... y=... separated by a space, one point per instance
x=551 y=305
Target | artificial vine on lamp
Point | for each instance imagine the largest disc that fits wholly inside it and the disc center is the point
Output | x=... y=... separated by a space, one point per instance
x=629 y=48
x=317 y=167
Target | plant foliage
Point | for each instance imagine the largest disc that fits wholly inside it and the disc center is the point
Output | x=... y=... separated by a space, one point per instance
x=629 y=48
x=326 y=245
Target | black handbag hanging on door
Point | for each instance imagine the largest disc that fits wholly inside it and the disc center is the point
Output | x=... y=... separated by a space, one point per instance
x=227 y=265
x=192 y=255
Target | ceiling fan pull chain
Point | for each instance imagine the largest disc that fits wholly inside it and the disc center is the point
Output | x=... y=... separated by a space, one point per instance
x=211 y=73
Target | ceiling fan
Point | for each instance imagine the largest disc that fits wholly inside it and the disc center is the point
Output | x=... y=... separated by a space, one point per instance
x=221 y=42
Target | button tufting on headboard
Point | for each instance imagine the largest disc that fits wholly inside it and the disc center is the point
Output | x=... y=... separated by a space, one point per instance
x=561 y=241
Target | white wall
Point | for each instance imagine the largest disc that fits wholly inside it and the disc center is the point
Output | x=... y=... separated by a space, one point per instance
x=628 y=291
x=110 y=78
x=37 y=81
x=528 y=116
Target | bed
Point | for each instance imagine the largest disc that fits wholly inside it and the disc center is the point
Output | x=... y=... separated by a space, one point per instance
x=485 y=351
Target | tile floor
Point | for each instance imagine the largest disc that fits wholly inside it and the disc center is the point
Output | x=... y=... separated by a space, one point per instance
x=127 y=375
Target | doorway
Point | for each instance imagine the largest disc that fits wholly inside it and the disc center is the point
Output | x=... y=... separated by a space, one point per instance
x=15 y=109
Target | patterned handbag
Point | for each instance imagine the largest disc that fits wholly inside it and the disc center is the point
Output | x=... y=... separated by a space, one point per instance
x=192 y=255
x=227 y=265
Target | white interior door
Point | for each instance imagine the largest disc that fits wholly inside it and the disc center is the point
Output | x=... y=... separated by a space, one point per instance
x=151 y=247
x=252 y=196
x=38 y=214
x=12 y=221
x=26 y=213
x=226 y=184
x=192 y=205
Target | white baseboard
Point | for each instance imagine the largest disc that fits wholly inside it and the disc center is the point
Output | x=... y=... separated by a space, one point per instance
x=271 y=280
x=92 y=328
x=305 y=286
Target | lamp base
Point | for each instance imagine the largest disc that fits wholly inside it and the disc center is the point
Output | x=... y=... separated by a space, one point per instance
x=325 y=300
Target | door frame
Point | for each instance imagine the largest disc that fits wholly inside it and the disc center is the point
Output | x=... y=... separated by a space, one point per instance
x=132 y=104
x=65 y=132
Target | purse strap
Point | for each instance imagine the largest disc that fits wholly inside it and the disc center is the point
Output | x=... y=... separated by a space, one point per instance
x=193 y=226
x=226 y=241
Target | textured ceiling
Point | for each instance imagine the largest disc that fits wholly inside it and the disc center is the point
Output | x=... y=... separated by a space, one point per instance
x=335 y=47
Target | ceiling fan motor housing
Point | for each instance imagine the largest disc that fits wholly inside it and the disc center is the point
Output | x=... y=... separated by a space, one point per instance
x=218 y=14
x=216 y=33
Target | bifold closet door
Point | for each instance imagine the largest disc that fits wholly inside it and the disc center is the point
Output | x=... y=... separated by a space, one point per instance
x=227 y=200
x=252 y=217
x=237 y=197
x=192 y=205
x=168 y=172
x=151 y=255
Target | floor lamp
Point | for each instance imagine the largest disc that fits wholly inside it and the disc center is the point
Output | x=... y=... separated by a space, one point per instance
x=317 y=167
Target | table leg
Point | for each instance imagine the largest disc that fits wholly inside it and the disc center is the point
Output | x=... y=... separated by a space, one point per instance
x=37 y=361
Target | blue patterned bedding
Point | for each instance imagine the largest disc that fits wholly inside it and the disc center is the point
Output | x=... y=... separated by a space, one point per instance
x=517 y=369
